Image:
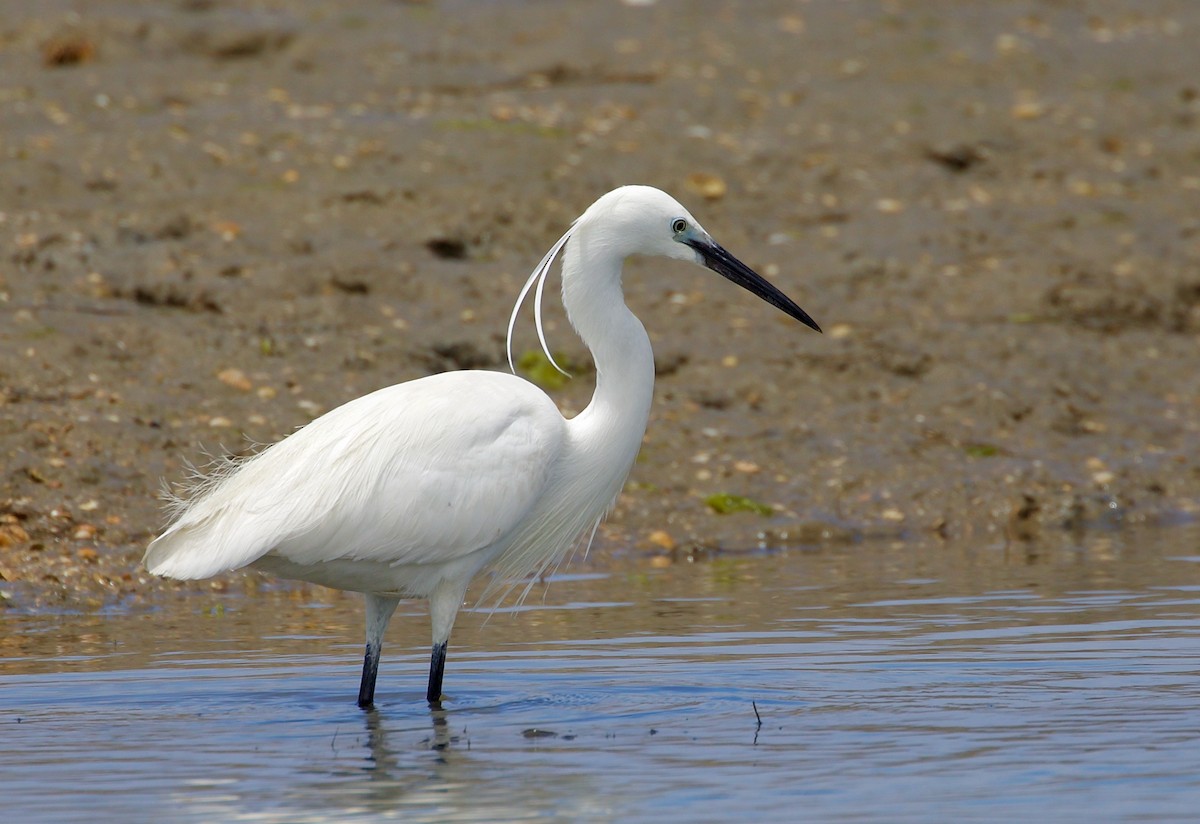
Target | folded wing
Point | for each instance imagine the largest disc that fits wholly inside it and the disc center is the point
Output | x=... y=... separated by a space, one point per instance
x=423 y=472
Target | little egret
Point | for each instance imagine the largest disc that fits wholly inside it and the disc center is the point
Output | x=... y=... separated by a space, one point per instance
x=410 y=491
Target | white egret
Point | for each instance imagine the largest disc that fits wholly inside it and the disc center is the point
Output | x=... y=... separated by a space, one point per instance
x=410 y=491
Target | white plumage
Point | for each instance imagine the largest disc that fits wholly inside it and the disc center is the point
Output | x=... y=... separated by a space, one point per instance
x=413 y=489
x=380 y=479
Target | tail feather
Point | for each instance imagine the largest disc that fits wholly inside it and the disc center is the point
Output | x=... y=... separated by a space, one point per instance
x=175 y=553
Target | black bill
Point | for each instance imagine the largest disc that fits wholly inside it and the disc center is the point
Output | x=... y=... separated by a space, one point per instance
x=726 y=265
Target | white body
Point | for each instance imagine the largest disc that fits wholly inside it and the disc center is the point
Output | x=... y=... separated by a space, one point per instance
x=397 y=490
x=412 y=490
x=421 y=485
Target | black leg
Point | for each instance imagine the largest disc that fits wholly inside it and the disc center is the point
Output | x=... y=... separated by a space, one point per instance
x=437 y=667
x=366 y=689
x=379 y=612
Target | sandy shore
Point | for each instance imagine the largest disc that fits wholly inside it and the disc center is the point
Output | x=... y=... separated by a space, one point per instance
x=220 y=222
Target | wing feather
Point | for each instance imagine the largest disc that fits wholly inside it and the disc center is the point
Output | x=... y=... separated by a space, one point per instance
x=423 y=472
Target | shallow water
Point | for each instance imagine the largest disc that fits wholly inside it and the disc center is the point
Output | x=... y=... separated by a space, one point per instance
x=893 y=681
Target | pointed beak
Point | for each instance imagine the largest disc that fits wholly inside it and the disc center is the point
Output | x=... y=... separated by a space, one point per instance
x=716 y=258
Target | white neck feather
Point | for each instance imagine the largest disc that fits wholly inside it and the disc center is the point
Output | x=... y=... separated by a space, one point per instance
x=615 y=420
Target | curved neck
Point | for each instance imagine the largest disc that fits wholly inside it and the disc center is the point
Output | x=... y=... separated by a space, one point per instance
x=620 y=347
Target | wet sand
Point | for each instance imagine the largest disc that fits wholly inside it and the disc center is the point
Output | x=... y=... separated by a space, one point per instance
x=219 y=222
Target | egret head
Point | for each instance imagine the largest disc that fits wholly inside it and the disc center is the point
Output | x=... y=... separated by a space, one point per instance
x=644 y=220
x=641 y=220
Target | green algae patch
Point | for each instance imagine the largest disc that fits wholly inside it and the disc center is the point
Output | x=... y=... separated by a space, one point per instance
x=723 y=504
x=534 y=365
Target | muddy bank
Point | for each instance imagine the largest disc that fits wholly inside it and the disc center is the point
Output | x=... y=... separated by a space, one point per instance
x=220 y=222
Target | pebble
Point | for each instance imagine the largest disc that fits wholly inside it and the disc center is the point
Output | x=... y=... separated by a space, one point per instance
x=662 y=538
x=1028 y=108
x=792 y=24
x=235 y=378
x=707 y=186
x=11 y=534
x=1009 y=44
x=852 y=67
x=227 y=229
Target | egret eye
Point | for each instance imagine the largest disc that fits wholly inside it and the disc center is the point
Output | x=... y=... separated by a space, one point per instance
x=678 y=225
